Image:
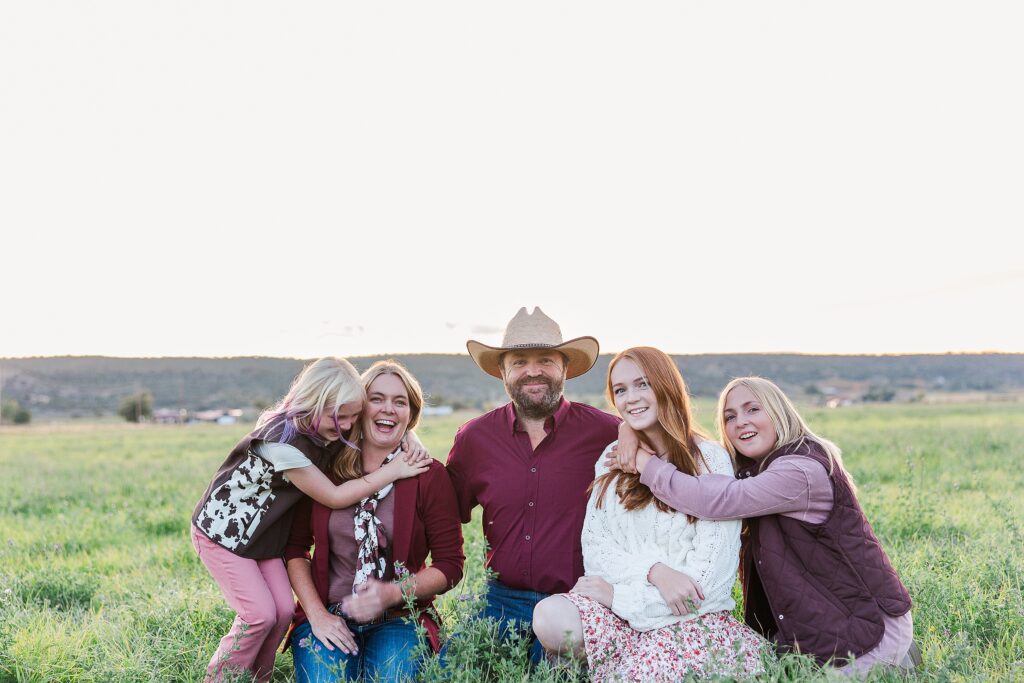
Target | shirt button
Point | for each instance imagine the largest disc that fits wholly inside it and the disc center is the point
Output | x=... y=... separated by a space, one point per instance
x=531 y=503
x=533 y=469
x=781 y=617
x=528 y=538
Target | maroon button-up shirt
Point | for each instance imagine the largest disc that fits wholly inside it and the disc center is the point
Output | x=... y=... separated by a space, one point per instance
x=534 y=501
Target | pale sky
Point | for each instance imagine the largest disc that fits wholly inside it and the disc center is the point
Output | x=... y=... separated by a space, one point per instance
x=304 y=179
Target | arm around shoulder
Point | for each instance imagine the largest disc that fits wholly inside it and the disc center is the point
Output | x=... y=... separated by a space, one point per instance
x=457 y=469
x=315 y=484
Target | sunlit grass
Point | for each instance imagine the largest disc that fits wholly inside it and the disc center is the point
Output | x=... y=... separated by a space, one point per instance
x=98 y=580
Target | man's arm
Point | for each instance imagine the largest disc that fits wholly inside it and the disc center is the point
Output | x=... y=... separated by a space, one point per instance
x=459 y=463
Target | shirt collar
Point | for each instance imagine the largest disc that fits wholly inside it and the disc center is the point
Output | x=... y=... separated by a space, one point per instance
x=561 y=411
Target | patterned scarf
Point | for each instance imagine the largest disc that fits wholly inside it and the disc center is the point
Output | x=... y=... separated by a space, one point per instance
x=371 y=560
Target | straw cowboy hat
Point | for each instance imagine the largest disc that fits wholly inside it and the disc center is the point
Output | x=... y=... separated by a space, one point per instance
x=535 y=331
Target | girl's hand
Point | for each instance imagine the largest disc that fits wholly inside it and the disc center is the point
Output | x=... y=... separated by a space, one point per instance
x=371 y=599
x=595 y=588
x=643 y=456
x=680 y=592
x=331 y=630
x=611 y=461
x=413 y=447
x=401 y=468
x=630 y=462
x=418 y=457
x=623 y=456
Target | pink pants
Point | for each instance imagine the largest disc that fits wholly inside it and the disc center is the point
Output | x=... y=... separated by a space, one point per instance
x=258 y=590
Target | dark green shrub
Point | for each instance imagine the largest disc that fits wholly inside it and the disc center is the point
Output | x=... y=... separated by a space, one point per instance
x=13 y=412
x=137 y=407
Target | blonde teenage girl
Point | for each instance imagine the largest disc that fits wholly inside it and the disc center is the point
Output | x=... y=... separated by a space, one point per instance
x=241 y=524
x=815 y=577
x=655 y=603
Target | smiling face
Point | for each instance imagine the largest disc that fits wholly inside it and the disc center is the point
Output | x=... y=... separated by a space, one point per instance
x=747 y=425
x=347 y=414
x=534 y=380
x=633 y=395
x=387 y=411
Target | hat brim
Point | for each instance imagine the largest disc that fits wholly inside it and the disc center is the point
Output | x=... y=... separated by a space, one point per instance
x=582 y=353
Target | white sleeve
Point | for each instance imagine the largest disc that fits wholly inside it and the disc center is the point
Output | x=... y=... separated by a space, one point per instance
x=607 y=553
x=282 y=456
x=712 y=560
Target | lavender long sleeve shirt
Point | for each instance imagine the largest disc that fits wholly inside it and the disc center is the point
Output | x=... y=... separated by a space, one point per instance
x=792 y=486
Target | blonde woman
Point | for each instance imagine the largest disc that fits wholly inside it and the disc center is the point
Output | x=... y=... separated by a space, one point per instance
x=353 y=623
x=655 y=603
x=815 y=577
x=241 y=523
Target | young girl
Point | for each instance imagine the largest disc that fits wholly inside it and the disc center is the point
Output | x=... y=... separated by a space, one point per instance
x=241 y=524
x=815 y=578
x=655 y=603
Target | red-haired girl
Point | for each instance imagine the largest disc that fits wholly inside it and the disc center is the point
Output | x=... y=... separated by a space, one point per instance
x=656 y=601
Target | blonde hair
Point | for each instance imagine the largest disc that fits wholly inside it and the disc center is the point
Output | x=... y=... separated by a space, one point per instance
x=675 y=417
x=790 y=427
x=326 y=383
x=349 y=464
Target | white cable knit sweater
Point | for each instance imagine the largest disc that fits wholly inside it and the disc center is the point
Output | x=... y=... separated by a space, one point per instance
x=621 y=547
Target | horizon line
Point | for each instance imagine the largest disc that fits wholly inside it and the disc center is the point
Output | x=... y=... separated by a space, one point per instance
x=607 y=353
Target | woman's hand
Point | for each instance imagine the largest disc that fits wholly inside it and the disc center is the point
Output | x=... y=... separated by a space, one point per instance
x=331 y=630
x=595 y=588
x=682 y=593
x=371 y=599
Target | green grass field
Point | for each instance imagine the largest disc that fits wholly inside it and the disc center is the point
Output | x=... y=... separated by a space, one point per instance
x=98 y=580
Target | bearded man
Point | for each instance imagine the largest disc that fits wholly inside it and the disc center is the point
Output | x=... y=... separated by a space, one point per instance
x=529 y=464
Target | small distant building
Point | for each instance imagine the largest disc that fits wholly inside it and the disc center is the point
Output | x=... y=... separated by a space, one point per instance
x=438 y=410
x=221 y=417
x=170 y=416
x=838 y=402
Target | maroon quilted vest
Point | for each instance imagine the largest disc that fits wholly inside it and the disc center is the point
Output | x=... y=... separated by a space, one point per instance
x=819 y=589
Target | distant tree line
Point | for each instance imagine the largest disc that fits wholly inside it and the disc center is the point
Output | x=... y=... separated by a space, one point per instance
x=88 y=386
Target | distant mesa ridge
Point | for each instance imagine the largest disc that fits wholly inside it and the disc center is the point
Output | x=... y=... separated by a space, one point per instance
x=95 y=385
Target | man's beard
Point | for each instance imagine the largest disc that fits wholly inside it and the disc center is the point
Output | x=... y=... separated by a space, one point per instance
x=536 y=408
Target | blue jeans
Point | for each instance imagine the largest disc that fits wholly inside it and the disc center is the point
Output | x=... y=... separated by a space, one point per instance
x=386 y=653
x=505 y=605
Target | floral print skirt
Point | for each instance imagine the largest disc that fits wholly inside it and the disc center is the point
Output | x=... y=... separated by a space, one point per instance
x=712 y=644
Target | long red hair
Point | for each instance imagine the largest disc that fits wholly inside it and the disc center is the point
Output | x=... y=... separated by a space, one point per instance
x=675 y=417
